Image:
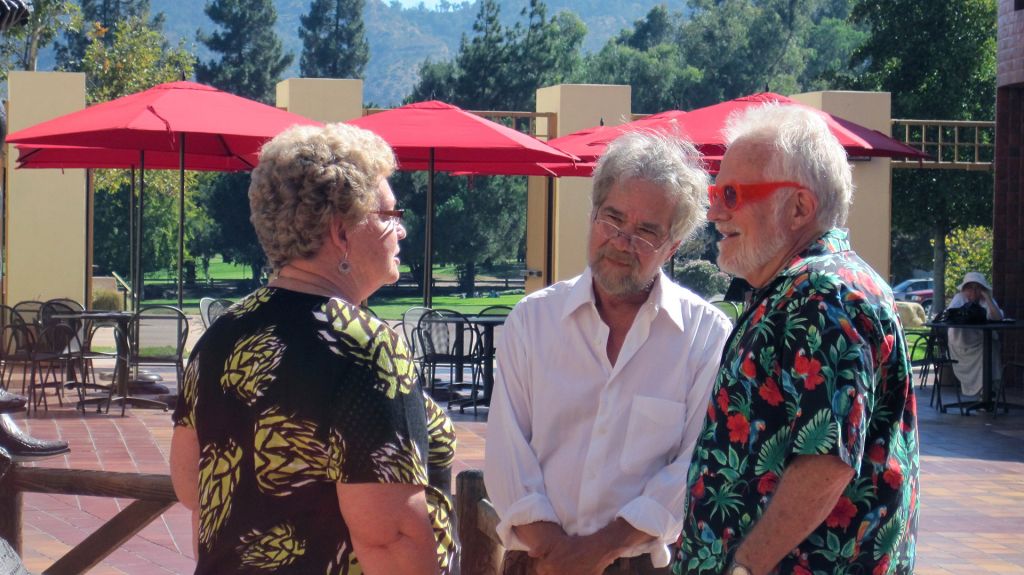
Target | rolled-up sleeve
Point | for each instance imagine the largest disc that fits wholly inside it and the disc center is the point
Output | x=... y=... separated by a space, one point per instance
x=512 y=474
x=660 y=509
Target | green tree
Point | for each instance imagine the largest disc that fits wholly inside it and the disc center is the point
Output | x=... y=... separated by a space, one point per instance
x=646 y=57
x=969 y=250
x=20 y=46
x=250 y=63
x=745 y=46
x=230 y=233
x=98 y=20
x=249 y=59
x=498 y=68
x=938 y=61
x=333 y=40
x=136 y=58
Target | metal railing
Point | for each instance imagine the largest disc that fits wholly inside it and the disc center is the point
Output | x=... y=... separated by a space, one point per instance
x=953 y=145
x=126 y=290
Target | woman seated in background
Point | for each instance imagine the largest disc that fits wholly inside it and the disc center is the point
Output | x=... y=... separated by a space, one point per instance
x=967 y=346
x=302 y=438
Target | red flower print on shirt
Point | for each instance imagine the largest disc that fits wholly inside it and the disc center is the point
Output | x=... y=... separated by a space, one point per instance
x=767 y=483
x=739 y=428
x=842 y=513
x=723 y=400
x=882 y=567
x=810 y=369
x=769 y=392
x=893 y=474
x=749 y=368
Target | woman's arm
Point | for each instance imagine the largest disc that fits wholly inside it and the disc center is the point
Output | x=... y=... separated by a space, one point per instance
x=185 y=475
x=390 y=528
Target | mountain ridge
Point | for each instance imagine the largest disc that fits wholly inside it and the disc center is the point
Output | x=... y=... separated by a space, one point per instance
x=401 y=38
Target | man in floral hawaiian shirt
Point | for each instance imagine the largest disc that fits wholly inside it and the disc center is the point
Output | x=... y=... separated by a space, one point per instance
x=808 y=463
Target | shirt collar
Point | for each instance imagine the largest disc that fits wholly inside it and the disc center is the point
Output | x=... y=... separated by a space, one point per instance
x=833 y=241
x=582 y=293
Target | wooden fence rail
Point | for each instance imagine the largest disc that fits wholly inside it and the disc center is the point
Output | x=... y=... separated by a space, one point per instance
x=153 y=495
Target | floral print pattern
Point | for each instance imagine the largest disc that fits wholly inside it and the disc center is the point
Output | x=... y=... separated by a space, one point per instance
x=817 y=365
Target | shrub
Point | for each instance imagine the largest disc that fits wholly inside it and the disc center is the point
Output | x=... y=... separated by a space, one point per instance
x=967 y=250
x=106 y=300
x=702 y=277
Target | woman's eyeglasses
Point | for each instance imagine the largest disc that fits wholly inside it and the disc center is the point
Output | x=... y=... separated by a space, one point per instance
x=391 y=218
x=733 y=196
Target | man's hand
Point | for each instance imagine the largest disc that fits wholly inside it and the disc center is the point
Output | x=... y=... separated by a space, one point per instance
x=575 y=555
x=589 y=554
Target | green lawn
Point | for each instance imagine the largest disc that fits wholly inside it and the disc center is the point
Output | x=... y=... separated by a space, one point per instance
x=393 y=308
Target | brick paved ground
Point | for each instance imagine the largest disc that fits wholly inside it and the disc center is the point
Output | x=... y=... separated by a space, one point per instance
x=972 y=504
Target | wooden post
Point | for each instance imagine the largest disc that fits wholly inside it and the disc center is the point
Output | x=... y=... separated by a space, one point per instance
x=10 y=514
x=481 y=552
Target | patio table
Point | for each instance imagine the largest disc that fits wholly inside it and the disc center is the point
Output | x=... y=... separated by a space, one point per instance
x=121 y=377
x=988 y=401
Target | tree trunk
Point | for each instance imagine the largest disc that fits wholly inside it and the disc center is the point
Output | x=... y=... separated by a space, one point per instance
x=939 y=268
x=467 y=278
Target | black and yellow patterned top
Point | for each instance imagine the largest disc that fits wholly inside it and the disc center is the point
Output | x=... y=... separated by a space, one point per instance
x=288 y=394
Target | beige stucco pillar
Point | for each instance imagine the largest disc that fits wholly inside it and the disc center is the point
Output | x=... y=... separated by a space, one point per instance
x=322 y=99
x=48 y=248
x=577 y=106
x=870 y=220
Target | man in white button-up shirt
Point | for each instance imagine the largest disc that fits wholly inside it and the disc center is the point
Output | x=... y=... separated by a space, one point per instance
x=604 y=381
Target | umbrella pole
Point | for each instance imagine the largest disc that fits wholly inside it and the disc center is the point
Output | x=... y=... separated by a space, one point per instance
x=181 y=216
x=549 y=239
x=131 y=237
x=428 y=229
x=140 y=284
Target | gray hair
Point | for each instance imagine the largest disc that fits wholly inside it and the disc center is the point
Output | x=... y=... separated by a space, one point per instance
x=309 y=175
x=801 y=148
x=668 y=161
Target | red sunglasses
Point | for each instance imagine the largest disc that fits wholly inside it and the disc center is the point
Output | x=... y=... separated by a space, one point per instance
x=734 y=195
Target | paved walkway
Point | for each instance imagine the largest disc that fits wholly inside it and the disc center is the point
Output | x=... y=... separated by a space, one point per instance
x=972 y=505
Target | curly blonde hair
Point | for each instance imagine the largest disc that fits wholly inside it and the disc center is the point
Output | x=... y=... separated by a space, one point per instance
x=308 y=175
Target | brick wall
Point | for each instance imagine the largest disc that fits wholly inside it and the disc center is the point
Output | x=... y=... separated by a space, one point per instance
x=1008 y=247
x=1010 y=51
x=1008 y=238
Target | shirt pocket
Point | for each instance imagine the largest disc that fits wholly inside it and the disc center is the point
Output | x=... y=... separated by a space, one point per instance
x=654 y=431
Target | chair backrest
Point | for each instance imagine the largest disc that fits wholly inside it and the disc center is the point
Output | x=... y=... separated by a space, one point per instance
x=29 y=310
x=495 y=310
x=217 y=309
x=16 y=339
x=440 y=330
x=57 y=339
x=731 y=309
x=204 y=310
x=159 y=333
x=410 y=329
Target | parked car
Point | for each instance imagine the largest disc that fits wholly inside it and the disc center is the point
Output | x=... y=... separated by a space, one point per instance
x=923 y=297
x=902 y=290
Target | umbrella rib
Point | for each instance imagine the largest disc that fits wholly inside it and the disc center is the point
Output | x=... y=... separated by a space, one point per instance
x=167 y=124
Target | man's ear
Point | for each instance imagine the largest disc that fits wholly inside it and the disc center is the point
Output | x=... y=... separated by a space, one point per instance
x=803 y=208
x=672 y=251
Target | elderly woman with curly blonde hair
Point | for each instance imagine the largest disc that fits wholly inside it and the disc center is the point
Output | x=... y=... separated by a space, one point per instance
x=302 y=439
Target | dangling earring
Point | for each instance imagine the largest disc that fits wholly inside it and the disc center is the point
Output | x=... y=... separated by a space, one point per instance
x=343 y=266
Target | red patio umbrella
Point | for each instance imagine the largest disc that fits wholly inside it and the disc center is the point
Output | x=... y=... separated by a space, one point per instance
x=160 y=119
x=590 y=143
x=704 y=126
x=436 y=136
x=69 y=157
